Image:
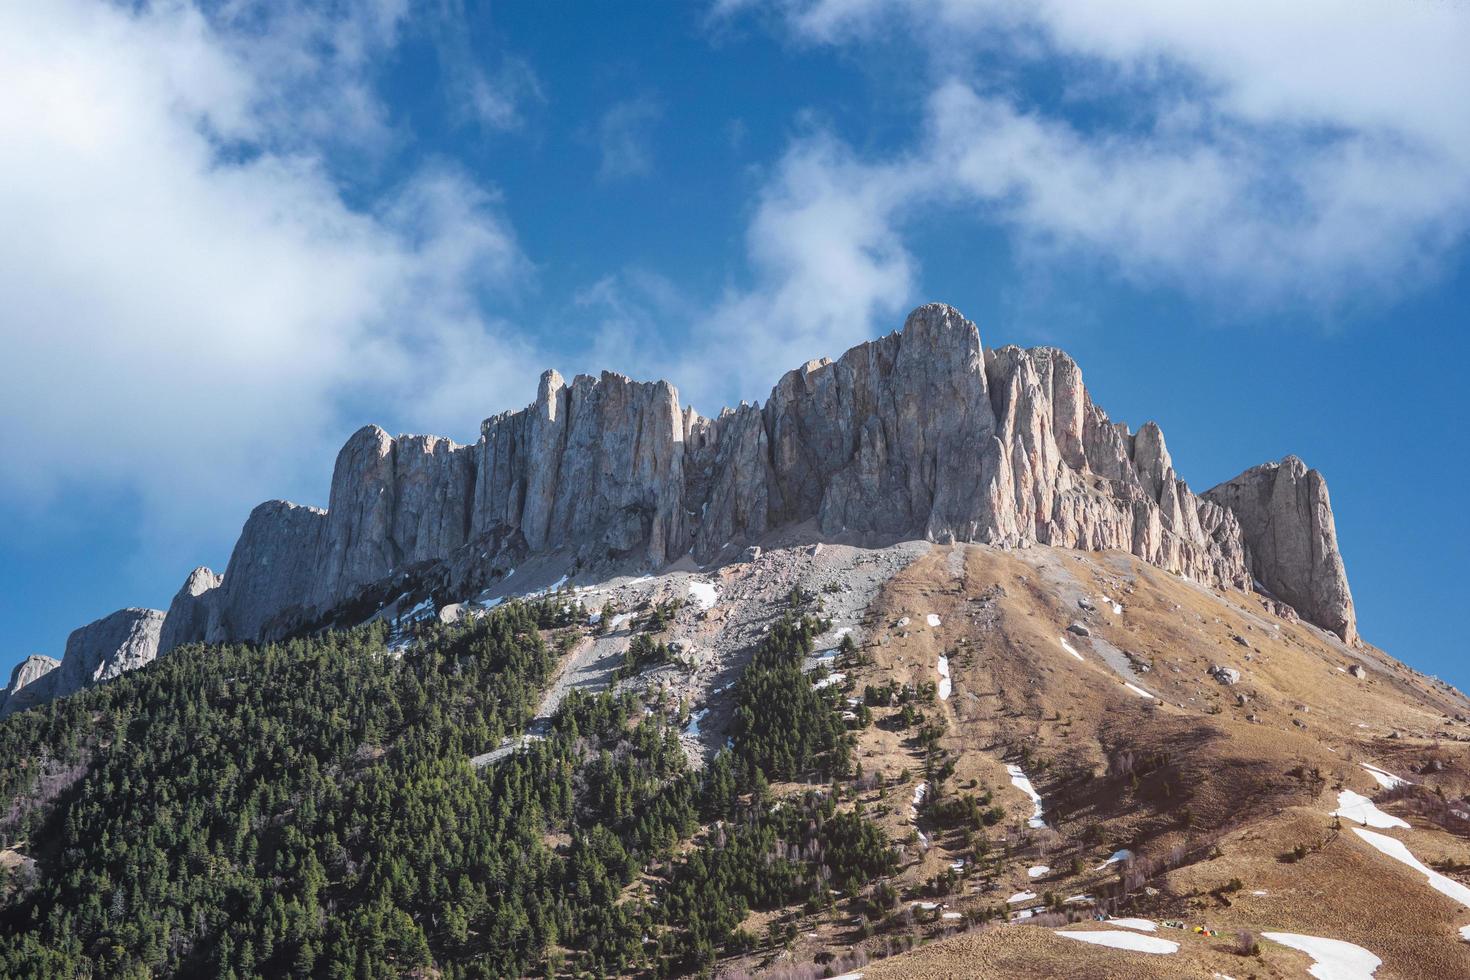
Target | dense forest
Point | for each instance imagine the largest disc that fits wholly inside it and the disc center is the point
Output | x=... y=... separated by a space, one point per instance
x=309 y=809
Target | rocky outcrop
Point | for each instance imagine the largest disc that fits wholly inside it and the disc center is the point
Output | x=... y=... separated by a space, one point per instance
x=101 y=650
x=97 y=652
x=188 y=615
x=891 y=439
x=596 y=467
x=922 y=433
x=28 y=684
x=1286 y=521
x=1068 y=476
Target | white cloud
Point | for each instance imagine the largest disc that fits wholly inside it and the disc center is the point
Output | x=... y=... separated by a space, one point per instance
x=625 y=138
x=1278 y=155
x=491 y=97
x=825 y=264
x=193 y=314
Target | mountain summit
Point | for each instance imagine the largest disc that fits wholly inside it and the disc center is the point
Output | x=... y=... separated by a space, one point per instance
x=923 y=433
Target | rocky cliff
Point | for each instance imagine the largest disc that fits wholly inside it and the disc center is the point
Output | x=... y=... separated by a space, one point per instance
x=23 y=691
x=1286 y=519
x=97 y=652
x=922 y=433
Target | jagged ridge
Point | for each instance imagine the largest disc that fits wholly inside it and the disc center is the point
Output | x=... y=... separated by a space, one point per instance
x=921 y=433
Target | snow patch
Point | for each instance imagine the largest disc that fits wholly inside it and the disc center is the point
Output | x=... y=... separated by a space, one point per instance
x=1145 y=925
x=829 y=680
x=1385 y=779
x=1021 y=897
x=945 y=685
x=694 y=719
x=1070 y=649
x=1139 y=691
x=919 y=792
x=704 y=594
x=1119 y=855
x=932 y=619
x=617 y=621
x=1335 y=959
x=1123 y=940
x=1360 y=809
x=1037 y=870
x=1396 y=849
x=1022 y=783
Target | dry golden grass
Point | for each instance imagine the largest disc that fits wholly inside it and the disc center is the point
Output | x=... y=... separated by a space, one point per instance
x=1195 y=781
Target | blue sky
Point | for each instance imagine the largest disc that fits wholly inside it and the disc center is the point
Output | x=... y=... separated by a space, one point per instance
x=240 y=230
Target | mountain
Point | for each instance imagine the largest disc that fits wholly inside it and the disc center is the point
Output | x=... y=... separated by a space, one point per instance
x=923 y=433
x=922 y=668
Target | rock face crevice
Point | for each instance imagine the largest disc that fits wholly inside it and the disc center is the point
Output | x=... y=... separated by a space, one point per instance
x=921 y=433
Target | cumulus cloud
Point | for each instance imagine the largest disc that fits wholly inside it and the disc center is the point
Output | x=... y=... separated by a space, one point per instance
x=1270 y=155
x=825 y=262
x=193 y=311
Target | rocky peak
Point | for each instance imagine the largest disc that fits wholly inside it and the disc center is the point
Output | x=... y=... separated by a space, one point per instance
x=1286 y=521
x=105 y=648
x=188 y=616
x=23 y=691
x=923 y=433
x=97 y=652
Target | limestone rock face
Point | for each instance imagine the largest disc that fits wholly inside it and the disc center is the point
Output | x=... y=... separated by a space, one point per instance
x=28 y=685
x=274 y=571
x=922 y=433
x=620 y=481
x=103 y=649
x=1286 y=521
x=596 y=467
x=188 y=614
x=728 y=476
x=394 y=502
x=1070 y=477
x=97 y=652
x=889 y=439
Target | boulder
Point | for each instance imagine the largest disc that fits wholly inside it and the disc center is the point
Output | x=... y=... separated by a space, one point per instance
x=1225 y=675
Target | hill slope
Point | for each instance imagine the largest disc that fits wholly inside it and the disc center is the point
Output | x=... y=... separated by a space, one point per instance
x=750 y=800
